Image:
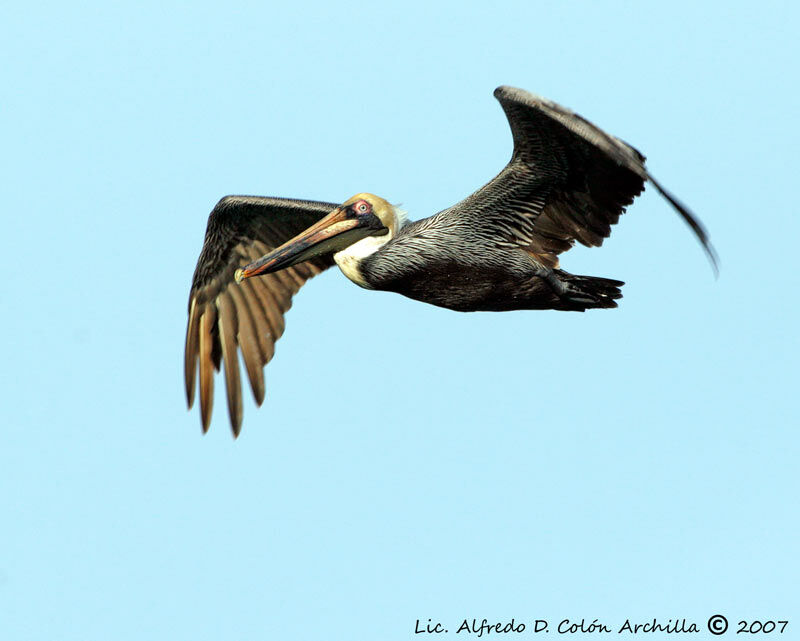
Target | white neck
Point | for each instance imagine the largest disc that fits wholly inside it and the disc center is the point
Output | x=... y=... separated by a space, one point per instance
x=350 y=258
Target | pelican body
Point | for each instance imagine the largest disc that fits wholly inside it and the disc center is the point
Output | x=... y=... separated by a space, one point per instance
x=435 y=261
x=497 y=250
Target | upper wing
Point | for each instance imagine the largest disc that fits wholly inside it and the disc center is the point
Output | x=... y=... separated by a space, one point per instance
x=224 y=315
x=567 y=180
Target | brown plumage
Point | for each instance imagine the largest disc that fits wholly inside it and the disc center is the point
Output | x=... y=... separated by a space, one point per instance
x=224 y=315
x=496 y=250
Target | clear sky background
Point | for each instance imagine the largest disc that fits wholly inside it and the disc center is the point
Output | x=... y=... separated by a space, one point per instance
x=409 y=462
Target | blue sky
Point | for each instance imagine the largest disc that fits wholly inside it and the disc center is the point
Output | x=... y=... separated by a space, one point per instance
x=409 y=462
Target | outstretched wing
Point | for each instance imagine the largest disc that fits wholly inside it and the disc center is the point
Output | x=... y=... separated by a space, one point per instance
x=567 y=180
x=224 y=316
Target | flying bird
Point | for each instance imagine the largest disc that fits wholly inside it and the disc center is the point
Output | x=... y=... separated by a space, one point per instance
x=496 y=250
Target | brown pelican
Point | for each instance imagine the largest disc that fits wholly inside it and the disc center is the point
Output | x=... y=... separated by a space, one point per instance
x=496 y=250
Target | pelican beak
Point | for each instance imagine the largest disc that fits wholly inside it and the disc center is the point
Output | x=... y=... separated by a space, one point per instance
x=338 y=230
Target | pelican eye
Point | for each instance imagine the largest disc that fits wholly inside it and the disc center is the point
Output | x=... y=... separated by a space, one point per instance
x=362 y=207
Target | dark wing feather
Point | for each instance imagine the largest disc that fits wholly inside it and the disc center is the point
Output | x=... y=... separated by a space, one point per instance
x=225 y=318
x=567 y=180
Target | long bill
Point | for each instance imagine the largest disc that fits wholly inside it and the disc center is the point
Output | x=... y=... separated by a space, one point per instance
x=333 y=233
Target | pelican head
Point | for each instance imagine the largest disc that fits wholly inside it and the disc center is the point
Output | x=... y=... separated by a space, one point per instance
x=358 y=227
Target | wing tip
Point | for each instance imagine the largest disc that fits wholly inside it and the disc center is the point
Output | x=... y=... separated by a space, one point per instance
x=694 y=224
